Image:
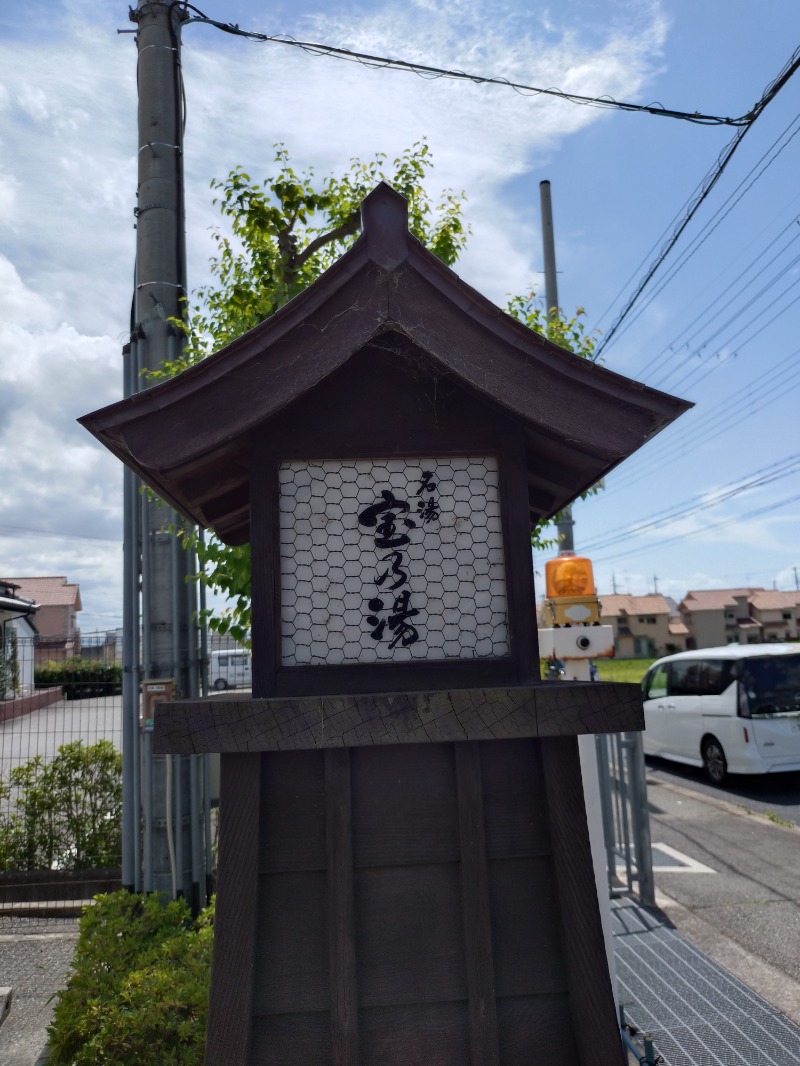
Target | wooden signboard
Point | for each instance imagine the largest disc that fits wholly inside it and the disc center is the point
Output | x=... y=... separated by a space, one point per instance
x=404 y=870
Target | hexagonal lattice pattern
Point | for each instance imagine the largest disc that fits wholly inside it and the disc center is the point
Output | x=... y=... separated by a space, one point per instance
x=391 y=560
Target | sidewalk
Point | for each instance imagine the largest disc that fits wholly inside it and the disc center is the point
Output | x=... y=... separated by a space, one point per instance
x=34 y=965
x=696 y=1011
x=715 y=974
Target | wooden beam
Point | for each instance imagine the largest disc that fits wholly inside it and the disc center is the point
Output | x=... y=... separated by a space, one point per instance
x=341 y=921
x=484 y=1046
x=592 y=1006
x=556 y=708
x=229 y=1017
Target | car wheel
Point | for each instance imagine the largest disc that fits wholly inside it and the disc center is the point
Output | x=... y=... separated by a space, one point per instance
x=220 y=684
x=714 y=761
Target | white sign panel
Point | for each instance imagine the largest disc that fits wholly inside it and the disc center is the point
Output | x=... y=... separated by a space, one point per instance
x=391 y=560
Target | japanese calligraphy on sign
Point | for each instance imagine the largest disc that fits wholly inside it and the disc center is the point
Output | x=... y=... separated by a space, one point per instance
x=391 y=560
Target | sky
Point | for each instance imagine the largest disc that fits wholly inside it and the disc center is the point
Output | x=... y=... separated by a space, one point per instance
x=714 y=501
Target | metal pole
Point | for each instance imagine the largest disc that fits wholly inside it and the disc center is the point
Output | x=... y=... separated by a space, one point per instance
x=549 y=247
x=130 y=620
x=564 y=522
x=160 y=288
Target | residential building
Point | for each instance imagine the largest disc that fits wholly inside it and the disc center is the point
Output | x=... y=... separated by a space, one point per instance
x=58 y=603
x=715 y=617
x=644 y=626
x=777 y=615
x=17 y=631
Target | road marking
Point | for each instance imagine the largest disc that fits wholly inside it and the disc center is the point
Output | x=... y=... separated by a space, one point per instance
x=681 y=863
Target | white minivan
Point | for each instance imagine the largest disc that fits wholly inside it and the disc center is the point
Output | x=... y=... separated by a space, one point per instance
x=231 y=669
x=732 y=710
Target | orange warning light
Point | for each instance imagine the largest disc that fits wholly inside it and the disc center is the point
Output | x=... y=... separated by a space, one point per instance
x=569 y=575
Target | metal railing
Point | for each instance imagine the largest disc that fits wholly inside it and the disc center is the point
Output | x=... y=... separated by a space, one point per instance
x=626 y=816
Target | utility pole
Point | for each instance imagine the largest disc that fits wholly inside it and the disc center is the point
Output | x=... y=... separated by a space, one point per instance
x=565 y=523
x=796 y=582
x=655 y=584
x=169 y=640
x=614 y=583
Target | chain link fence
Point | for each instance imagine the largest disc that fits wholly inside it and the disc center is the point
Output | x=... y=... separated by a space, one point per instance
x=60 y=776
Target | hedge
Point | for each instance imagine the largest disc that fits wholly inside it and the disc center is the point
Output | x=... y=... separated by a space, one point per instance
x=80 y=677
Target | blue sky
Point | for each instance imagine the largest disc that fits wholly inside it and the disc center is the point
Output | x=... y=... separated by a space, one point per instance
x=720 y=331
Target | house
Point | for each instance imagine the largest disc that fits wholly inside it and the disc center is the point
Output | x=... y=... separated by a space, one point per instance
x=715 y=617
x=17 y=631
x=644 y=626
x=58 y=603
x=777 y=615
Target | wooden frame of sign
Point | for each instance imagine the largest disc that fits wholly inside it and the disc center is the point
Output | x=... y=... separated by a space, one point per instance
x=404 y=871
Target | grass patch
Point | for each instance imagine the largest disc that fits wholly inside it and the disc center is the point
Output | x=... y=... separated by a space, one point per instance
x=776 y=818
x=630 y=670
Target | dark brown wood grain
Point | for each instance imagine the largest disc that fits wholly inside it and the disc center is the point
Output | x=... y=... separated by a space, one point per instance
x=592 y=1003
x=559 y=708
x=484 y=1050
x=230 y=1005
x=341 y=927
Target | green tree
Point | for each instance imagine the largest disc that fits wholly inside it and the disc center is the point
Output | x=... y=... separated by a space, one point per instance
x=569 y=333
x=283 y=233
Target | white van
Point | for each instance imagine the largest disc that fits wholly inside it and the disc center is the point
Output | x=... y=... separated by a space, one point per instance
x=732 y=710
x=231 y=669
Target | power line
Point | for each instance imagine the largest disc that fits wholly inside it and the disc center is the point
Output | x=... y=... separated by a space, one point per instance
x=700 y=502
x=716 y=220
x=16 y=531
x=756 y=513
x=675 y=342
x=386 y=63
x=743 y=308
x=708 y=184
x=724 y=413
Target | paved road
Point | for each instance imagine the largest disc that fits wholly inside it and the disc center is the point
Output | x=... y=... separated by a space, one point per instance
x=777 y=793
x=42 y=732
x=746 y=909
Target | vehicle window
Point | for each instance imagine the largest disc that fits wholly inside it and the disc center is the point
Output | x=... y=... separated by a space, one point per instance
x=699 y=677
x=223 y=660
x=655 y=684
x=771 y=683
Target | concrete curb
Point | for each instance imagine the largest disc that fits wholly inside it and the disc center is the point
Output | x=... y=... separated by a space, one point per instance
x=723 y=805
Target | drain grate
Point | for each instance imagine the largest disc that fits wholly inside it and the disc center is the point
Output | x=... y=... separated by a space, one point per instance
x=697 y=1013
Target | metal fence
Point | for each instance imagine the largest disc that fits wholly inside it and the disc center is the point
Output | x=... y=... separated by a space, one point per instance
x=60 y=789
x=61 y=739
x=626 y=816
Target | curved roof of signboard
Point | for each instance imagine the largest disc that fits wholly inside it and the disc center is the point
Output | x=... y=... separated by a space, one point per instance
x=188 y=437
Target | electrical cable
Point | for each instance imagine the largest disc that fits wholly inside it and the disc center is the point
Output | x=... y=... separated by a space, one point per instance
x=718 y=217
x=700 y=502
x=676 y=342
x=424 y=70
x=728 y=410
x=708 y=184
x=743 y=308
x=757 y=513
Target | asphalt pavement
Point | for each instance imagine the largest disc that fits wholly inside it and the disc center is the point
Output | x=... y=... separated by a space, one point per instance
x=734 y=889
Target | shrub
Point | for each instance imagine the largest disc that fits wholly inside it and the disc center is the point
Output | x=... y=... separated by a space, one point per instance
x=9 y=666
x=80 y=677
x=65 y=814
x=138 y=991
